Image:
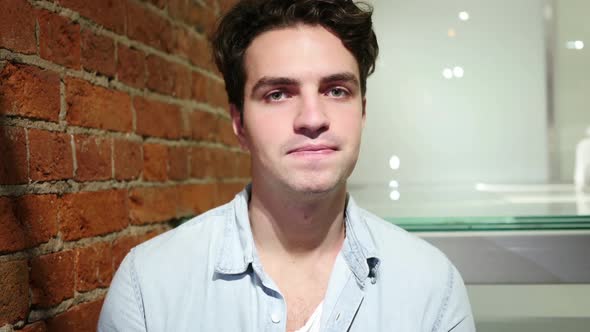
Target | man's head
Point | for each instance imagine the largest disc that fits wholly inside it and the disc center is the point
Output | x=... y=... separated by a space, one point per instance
x=250 y=18
x=295 y=72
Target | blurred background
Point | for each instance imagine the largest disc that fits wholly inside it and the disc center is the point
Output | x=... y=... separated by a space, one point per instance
x=474 y=115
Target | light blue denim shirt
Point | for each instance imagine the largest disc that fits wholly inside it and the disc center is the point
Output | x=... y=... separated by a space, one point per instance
x=206 y=276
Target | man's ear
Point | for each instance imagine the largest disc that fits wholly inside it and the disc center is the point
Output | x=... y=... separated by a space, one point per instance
x=238 y=126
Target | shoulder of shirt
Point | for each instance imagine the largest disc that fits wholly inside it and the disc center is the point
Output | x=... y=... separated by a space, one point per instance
x=409 y=252
x=195 y=236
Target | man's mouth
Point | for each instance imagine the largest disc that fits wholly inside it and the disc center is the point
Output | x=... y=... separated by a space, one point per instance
x=313 y=149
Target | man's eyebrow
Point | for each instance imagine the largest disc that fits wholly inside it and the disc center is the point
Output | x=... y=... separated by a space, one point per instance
x=340 y=77
x=273 y=81
x=268 y=81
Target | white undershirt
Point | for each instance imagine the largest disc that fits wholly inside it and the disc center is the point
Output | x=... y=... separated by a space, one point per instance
x=313 y=323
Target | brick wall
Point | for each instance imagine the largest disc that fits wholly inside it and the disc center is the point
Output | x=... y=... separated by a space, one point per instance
x=113 y=127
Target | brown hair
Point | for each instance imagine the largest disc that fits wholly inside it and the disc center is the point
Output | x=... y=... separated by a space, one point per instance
x=249 y=18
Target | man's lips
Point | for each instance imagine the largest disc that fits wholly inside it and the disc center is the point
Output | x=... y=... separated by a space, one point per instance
x=313 y=148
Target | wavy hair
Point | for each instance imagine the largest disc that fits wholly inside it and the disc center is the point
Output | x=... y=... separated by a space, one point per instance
x=250 y=18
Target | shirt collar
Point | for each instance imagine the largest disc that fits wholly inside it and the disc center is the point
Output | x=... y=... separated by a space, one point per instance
x=237 y=250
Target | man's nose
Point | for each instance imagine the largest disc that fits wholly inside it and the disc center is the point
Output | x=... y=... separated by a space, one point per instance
x=311 y=119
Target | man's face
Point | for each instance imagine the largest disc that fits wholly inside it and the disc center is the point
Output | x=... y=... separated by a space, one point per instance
x=303 y=110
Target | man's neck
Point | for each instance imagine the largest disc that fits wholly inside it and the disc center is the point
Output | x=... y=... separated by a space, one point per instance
x=297 y=228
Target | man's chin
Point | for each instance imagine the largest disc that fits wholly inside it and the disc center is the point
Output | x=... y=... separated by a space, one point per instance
x=316 y=189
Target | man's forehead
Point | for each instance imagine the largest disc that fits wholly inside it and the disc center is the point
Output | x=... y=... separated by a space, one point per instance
x=299 y=53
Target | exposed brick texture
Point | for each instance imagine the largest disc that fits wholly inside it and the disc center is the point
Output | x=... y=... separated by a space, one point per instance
x=131 y=66
x=13 y=149
x=149 y=205
x=17 y=13
x=93 y=156
x=50 y=155
x=94 y=266
x=178 y=158
x=127 y=158
x=26 y=221
x=88 y=214
x=113 y=128
x=159 y=119
x=108 y=13
x=39 y=326
x=97 y=107
x=52 y=278
x=29 y=92
x=14 y=297
x=204 y=126
x=155 y=166
x=81 y=317
x=59 y=39
x=148 y=27
x=98 y=53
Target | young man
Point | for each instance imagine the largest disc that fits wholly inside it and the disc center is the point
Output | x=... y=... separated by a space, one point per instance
x=292 y=251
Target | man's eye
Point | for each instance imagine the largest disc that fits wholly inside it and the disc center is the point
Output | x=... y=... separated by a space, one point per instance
x=337 y=92
x=276 y=96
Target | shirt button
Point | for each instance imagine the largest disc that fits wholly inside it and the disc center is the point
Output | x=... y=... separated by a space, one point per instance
x=276 y=318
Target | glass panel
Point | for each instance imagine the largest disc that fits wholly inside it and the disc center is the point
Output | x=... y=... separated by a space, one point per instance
x=474 y=114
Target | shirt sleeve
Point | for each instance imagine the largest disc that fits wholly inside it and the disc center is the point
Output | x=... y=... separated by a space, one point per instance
x=123 y=306
x=455 y=313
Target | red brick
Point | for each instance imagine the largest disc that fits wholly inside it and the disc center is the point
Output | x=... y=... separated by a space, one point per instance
x=30 y=92
x=204 y=126
x=108 y=13
x=94 y=267
x=13 y=155
x=226 y=5
x=158 y=3
x=52 y=278
x=178 y=163
x=93 y=156
x=215 y=163
x=12 y=234
x=26 y=221
x=59 y=39
x=14 y=297
x=131 y=66
x=200 y=53
x=89 y=214
x=122 y=245
x=217 y=95
x=201 y=17
x=154 y=162
x=97 y=107
x=38 y=326
x=200 y=84
x=197 y=198
x=151 y=205
x=183 y=42
x=81 y=317
x=227 y=191
x=160 y=77
x=50 y=155
x=243 y=168
x=128 y=159
x=168 y=78
x=148 y=27
x=17 y=26
x=98 y=53
x=182 y=82
x=202 y=163
x=226 y=163
x=155 y=118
